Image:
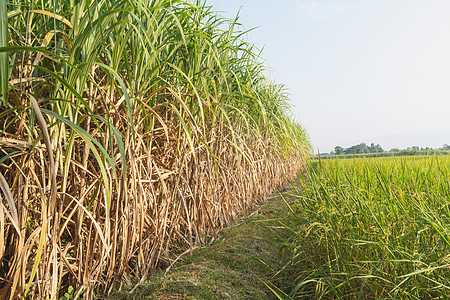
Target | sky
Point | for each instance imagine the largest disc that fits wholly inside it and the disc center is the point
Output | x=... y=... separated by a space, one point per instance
x=357 y=70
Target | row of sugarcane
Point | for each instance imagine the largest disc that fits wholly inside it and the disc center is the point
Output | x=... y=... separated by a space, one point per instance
x=130 y=131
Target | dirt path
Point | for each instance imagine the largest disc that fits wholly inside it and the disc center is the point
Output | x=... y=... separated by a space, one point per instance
x=236 y=266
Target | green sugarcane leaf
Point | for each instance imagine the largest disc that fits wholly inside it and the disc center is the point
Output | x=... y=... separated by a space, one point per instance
x=4 y=62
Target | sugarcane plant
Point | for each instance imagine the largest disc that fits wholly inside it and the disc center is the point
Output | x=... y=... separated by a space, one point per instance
x=130 y=130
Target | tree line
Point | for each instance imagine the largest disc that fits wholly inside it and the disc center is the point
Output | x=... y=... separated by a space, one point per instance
x=357 y=149
x=363 y=149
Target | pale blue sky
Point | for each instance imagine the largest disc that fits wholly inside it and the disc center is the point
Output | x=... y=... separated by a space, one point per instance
x=358 y=70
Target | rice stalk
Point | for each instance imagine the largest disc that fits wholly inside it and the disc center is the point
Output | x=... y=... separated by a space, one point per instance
x=369 y=228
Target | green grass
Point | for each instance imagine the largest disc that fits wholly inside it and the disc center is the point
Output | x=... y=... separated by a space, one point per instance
x=375 y=228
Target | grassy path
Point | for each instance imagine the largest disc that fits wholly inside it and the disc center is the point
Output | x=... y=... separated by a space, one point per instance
x=235 y=266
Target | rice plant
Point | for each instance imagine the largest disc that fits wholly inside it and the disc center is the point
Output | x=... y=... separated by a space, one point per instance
x=370 y=229
x=129 y=130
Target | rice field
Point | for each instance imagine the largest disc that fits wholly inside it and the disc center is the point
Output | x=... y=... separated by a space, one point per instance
x=129 y=131
x=374 y=228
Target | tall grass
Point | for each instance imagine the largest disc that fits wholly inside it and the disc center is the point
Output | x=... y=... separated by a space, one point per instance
x=371 y=229
x=129 y=129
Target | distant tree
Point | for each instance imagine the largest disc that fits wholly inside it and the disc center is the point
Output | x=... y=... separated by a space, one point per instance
x=357 y=149
x=351 y=150
x=378 y=149
x=395 y=150
x=363 y=148
x=338 y=150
